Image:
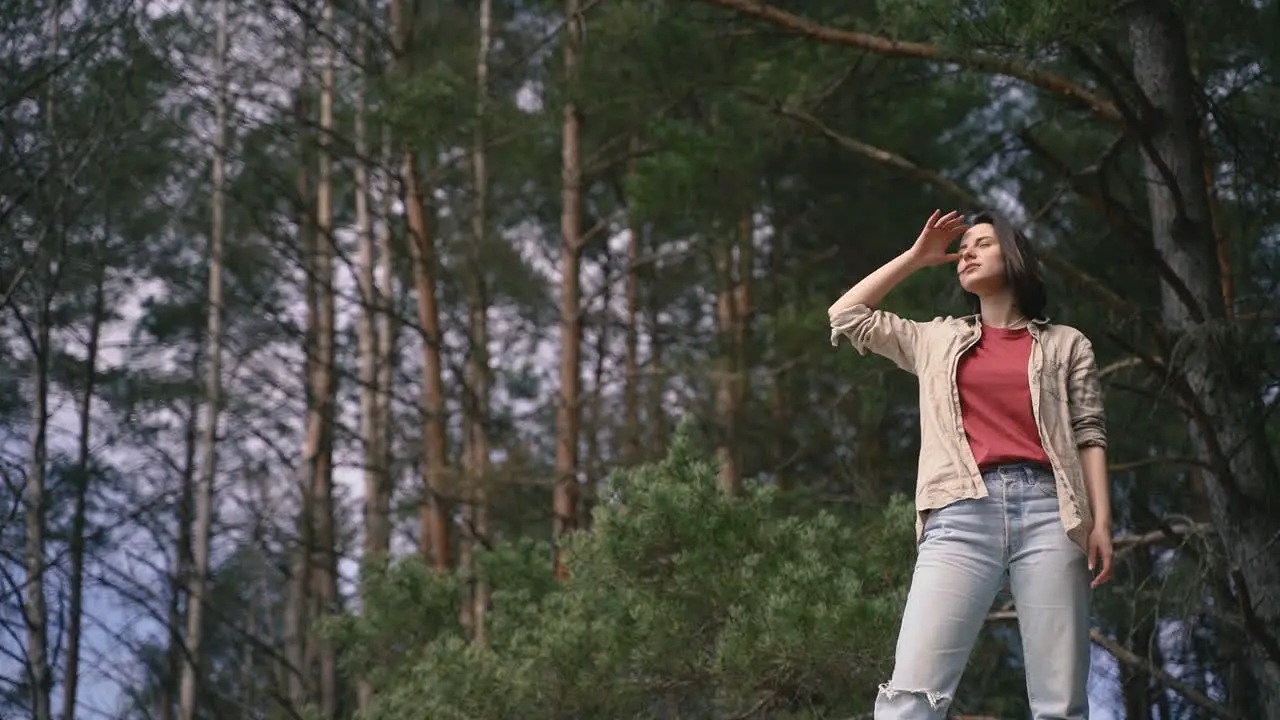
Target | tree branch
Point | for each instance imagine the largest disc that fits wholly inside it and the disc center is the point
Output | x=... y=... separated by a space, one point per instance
x=1254 y=624
x=1118 y=365
x=948 y=186
x=980 y=61
x=1144 y=462
x=1126 y=545
x=1128 y=657
x=1132 y=659
x=1220 y=461
x=1138 y=120
x=1116 y=215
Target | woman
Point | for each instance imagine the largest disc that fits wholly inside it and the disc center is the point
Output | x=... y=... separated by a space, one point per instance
x=1012 y=483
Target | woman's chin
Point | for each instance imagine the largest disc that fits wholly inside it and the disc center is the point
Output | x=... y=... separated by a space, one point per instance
x=975 y=284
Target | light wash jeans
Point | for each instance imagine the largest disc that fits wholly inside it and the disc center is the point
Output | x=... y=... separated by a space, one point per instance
x=968 y=550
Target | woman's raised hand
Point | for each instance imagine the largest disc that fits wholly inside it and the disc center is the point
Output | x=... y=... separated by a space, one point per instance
x=936 y=236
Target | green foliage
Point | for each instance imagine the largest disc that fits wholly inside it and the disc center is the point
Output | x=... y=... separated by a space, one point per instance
x=999 y=25
x=680 y=598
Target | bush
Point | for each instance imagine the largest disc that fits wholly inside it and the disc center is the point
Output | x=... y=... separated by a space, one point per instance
x=682 y=602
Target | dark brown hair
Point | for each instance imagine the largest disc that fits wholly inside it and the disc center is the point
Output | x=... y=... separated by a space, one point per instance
x=1021 y=267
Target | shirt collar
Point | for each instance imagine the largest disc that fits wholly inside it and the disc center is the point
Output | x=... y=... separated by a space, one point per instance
x=1036 y=326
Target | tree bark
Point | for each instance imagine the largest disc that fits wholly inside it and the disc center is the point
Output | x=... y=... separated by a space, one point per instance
x=656 y=416
x=192 y=668
x=36 y=610
x=477 y=406
x=297 y=604
x=183 y=553
x=377 y=530
x=631 y=372
x=1228 y=422
x=735 y=264
x=569 y=411
x=436 y=511
x=324 y=389
x=387 y=332
x=782 y=392
x=75 y=609
x=595 y=457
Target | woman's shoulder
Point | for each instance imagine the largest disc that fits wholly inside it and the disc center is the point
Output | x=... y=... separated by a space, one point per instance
x=1061 y=329
x=1067 y=337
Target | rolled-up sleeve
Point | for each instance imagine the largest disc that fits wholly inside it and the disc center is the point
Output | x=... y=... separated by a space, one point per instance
x=1084 y=389
x=879 y=332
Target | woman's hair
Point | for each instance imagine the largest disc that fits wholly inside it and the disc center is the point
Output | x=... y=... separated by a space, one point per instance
x=1021 y=267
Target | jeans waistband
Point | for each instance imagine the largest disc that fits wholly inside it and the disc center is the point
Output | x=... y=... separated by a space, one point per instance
x=1025 y=468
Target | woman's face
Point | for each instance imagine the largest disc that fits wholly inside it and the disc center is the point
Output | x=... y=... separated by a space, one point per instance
x=981 y=266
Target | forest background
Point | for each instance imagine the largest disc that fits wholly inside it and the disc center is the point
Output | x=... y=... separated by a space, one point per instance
x=430 y=358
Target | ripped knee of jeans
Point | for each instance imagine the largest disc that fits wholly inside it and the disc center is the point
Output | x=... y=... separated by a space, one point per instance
x=937 y=701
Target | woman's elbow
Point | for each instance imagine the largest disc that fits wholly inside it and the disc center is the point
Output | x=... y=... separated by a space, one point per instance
x=1089 y=432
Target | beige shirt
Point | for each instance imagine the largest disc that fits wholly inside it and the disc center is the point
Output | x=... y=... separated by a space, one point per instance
x=1066 y=400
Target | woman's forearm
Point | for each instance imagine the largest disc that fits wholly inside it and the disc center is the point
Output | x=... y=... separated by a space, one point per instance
x=872 y=289
x=1093 y=460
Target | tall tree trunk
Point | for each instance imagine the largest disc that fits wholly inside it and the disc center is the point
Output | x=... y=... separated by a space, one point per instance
x=1135 y=684
x=568 y=415
x=631 y=371
x=595 y=462
x=782 y=391
x=436 y=511
x=183 y=553
x=387 y=330
x=39 y=675
x=324 y=390
x=37 y=616
x=1228 y=420
x=780 y=414
x=435 y=506
x=75 y=608
x=377 y=533
x=263 y=671
x=297 y=603
x=213 y=390
x=377 y=516
x=476 y=408
x=655 y=416
x=732 y=310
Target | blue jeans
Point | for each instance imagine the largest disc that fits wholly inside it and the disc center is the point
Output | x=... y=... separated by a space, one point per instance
x=968 y=550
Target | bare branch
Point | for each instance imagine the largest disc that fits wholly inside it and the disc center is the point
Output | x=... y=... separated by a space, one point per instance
x=1128 y=544
x=1132 y=659
x=1117 y=216
x=1144 y=462
x=1128 y=657
x=948 y=186
x=1254 y=624
x=980 y=61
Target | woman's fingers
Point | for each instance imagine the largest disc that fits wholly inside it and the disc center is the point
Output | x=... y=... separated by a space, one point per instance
x=944 y=229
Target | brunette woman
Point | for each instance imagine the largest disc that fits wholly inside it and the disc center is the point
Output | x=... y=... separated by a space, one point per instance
x=1012 y=482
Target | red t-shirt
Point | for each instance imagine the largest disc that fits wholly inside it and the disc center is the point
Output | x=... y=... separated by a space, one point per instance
x=995 y=399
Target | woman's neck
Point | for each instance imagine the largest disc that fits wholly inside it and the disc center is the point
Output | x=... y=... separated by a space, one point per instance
x=1001 y=311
